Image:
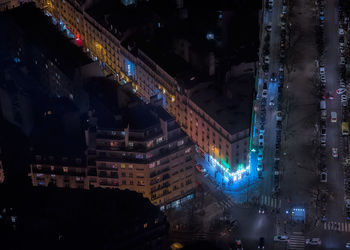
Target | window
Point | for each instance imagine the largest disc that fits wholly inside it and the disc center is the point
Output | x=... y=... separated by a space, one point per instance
x=139 y=156
x=131 y=175
x=52 y=168
x=152 y=165
x=145 y=225
x=130 y=166
x=65 y=169
x=122 y=165
x=124 y=182
x=131 y=182
x=123 y=174
x=131 y=144
x=179 y=143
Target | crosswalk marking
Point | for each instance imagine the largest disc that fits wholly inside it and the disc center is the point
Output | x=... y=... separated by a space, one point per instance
x=266 y=200
x=296 y=241
x=226 y=203
x=337 y=226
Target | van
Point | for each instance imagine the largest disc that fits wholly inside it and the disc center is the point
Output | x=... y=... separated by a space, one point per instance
x=323 y=105
x=323 y=114
x=333 y=116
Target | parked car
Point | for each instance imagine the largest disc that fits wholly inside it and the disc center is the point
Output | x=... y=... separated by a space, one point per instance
x=322 y=70
x=323 y=177
x=268 y=28
x=261 y=244
x=267 y=59
x=261 y=139
x=333 y=116
x=264 y=93
x=313 y=241
x=342 y=60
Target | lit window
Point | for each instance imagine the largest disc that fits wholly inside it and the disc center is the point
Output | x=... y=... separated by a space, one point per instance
x=52 y=168
x=122 y=165
x=139 y=156
x=145 y=225
x=130 y=166
x=65 y=169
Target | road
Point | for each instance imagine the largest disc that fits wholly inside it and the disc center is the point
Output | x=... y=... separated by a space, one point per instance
x=335 y=184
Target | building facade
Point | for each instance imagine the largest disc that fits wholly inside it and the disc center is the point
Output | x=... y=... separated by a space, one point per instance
x=132 y=66
x=156 y=160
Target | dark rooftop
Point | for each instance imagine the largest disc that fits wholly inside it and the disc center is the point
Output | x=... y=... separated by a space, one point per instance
x=233 y=114
x=59 y=131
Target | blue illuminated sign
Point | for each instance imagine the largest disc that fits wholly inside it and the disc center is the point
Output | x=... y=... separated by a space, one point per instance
x=130 y=67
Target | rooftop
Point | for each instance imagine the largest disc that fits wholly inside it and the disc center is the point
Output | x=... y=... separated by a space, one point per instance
x=233 y=114
x=59 y=131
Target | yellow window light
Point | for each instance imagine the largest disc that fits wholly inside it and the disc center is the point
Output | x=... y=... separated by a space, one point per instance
x=173 y=98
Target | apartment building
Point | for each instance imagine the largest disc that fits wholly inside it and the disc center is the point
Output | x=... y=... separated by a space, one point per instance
x=107 y=37
x=142 y=148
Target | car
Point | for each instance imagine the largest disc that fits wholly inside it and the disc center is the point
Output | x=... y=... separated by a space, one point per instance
x=272 y=101
x=323 y=131
x=238 y=245
x=264 y=93
x=267 y=59
x=323 y=140
x=342 y=60
x=261 y=139
x=281 y=68
x=340 y=91
x=347 y=245
x=341 y=31
x=322 y=70
x=313 y=241
x=273 y=77
x=260 y=156
x=323 y=177
x=284 y=9
x=260 y=167
x=333 y=116
x=335 y=152
x=281 y=238
x=261 y=244
x=279 y=116
x=344 y=98
x=330 y=96
x=268 y=28
x=261 y=210
x=323 y=78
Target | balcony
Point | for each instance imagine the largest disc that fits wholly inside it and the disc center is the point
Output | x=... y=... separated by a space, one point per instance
x=164 y=185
